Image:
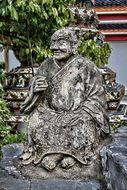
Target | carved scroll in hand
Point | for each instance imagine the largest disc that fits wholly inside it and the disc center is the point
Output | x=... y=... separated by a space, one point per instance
x=37 y=86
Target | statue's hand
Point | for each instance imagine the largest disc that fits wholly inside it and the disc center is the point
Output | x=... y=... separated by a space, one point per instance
x=40 y=84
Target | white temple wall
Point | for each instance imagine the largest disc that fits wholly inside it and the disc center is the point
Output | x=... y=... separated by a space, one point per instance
x=118 y=61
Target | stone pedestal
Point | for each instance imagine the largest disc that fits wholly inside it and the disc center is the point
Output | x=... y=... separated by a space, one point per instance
x=12 y=179
x=114 y=161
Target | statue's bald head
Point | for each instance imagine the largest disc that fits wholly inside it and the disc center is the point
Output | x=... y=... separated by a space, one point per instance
x=65 y=34
x=64 y=43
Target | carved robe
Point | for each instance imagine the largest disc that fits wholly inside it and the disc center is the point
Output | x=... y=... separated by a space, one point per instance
x=69 y=116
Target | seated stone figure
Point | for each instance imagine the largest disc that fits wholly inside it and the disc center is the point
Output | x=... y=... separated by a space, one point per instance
x=66 y=106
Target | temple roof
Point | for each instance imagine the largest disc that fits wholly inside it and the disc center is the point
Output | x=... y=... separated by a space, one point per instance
x=113 y=26
x=112 y=15
x=111 y=9
x=110 y=2
x=114 y=31
x=86 y=1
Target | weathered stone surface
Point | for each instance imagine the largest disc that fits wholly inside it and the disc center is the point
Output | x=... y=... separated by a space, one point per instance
x=64 y=185
x=67 y=124
x=10 y=177
x=3 y=173
x=9 y=152
x=13 y=181
x=12 y=150
x=114 y=161
x=66 y=105
x=10 y=183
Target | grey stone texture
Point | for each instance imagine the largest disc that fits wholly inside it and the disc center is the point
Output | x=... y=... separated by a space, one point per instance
x=13 y=181
x=9 y=152
x=114 y=161
x=64 y=185
x=67 y=124
x=12 y=150
x=66 y=107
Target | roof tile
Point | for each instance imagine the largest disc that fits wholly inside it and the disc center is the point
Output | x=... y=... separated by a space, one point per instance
x=110 y=2
x=111 y=9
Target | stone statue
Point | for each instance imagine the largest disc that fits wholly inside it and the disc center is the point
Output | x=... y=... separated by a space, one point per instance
x=66 y=107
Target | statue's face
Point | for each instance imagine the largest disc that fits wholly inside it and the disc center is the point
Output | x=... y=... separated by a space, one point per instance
x=61 y=48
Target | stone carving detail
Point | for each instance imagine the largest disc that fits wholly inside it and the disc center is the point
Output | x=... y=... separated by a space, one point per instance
x=19 y=77
x=16 y=88
x=84 y=16
x=114 y=91
x=66 y=107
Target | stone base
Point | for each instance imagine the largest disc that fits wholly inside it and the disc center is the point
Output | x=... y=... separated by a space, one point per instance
x=12 y=179
x=11 y=183
x=114 y=161
x=78 y=172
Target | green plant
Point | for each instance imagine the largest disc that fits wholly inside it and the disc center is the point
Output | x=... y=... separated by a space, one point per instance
x=96 y=53
x=6 y=137
x=26 y=26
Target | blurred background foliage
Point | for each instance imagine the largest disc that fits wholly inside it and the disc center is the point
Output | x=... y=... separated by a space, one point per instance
x=26 y=25
x=92 y=46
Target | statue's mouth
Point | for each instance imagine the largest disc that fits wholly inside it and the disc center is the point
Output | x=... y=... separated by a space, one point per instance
x=57 y=52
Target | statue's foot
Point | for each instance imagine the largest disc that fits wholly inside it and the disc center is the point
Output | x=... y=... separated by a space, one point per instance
x=50 y=162
x=26 y=155
x=28 y=161
x=68 y=162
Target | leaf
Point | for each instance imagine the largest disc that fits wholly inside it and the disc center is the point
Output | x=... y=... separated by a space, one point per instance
x=14 y=13
x=31 y=6
x=63 y=9
x=1 y=24
x=27 y=51
x=45 y=14
x=44 y=1
x=55 y=12
x=9 y=2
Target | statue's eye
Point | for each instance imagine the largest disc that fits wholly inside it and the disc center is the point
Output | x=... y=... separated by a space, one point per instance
x=53 y=41
x=62 y=42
